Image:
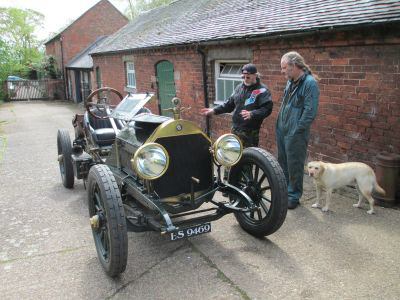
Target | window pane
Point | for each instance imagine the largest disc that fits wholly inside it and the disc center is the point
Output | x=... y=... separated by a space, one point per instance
x=130 y=74
x=228 y=78
x=221 y=67
x=131 y=79
x=231 y=71
x=235 y=70
x=228 y=88
x=220 y=90
x=131 y=67
x=226 y=69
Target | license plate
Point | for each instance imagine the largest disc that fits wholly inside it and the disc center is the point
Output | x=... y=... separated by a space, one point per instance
x=190 y=231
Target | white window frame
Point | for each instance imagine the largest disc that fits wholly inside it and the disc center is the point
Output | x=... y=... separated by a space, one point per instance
x=129 y=71
x=227 y=77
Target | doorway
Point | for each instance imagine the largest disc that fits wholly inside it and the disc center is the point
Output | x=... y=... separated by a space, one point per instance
x=78 y=86
x=166 y=86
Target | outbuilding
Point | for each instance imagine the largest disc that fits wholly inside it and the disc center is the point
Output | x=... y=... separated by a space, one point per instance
x=193 y=49
x=70 y=46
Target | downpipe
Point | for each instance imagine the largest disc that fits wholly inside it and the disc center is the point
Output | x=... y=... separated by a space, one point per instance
x=205 y=86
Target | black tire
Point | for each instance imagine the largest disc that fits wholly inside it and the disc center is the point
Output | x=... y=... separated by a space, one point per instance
x=111 y=238
x=64 y=158
x=269 y=191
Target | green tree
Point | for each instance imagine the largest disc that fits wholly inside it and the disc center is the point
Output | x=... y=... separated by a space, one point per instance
x=19 y=47
x=7 y=59
x=17 y=37
x=137 y=7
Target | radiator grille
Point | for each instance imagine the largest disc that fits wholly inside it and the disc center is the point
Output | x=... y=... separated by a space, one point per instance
x=189 y=156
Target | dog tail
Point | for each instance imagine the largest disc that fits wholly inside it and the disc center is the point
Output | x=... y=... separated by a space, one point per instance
x=379 y=189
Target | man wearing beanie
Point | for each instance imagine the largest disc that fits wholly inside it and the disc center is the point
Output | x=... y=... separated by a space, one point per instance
x=250 y=102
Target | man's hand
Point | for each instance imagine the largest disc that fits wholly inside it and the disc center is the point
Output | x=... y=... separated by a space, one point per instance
x=245 y=114
x=207 y=111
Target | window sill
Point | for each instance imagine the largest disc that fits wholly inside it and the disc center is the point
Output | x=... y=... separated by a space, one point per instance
x=129 y=89
x=217 y=102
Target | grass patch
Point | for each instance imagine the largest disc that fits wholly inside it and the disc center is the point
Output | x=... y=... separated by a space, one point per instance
x=3 y=146
x=3 y=137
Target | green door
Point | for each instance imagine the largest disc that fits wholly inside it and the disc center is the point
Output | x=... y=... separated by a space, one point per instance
x=166 y=86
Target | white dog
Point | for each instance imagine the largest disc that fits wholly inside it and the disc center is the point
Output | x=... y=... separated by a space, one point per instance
x=330 y=176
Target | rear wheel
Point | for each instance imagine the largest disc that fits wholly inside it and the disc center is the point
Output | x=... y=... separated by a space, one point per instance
x=259 y=175
x=64 y=158
x=107 y=218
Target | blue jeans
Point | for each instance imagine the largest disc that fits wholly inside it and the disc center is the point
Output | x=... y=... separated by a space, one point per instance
x=292 y=153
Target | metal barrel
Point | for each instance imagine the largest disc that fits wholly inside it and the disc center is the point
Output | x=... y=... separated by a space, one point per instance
x=388 y=177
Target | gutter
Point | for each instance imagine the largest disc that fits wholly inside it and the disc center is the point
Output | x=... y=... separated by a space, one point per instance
x=62 y=65
x=52 y=39
x=205 y=86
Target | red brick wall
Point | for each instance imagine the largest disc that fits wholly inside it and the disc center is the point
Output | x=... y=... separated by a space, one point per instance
x=112 y=72
x=54 y=49
x=55 y=89
x=102 y=19
x=360 y=89
x=359 y=108
x=51 y=48
x=188 y=76
x=359 y=112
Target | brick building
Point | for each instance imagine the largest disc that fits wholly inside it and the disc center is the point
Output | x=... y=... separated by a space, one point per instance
x=194 y=50
x=70 y=46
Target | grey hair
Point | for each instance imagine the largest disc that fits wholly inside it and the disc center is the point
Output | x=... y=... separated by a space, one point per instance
x=294 y=58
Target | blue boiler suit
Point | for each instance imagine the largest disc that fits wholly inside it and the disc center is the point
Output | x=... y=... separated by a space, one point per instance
x=298 y=110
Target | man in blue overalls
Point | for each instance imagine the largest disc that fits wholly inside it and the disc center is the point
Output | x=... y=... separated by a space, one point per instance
x=298 y=110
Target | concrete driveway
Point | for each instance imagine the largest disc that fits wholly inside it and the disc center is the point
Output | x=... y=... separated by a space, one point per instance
x=47 y=250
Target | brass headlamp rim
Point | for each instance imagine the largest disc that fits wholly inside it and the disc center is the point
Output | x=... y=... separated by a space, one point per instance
x=136 y=155
x=214 y=148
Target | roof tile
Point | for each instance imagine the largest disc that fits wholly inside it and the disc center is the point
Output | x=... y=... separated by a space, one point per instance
x=191 y=21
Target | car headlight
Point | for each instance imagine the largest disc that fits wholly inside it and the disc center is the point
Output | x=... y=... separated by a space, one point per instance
x=150 y=161
x=228 y=150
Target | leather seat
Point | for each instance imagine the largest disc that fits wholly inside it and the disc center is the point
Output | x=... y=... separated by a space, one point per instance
x=101 y=129
x=104 y=136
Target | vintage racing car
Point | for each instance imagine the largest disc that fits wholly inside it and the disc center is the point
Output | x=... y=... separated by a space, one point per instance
x=149 y=172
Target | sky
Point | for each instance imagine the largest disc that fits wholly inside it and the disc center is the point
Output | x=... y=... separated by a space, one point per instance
x=58 y=13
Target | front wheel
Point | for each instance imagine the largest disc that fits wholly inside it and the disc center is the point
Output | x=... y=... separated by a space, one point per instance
x=107 y=218
x=259 y=175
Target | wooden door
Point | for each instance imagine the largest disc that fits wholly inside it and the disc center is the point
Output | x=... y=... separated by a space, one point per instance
x=166 y=86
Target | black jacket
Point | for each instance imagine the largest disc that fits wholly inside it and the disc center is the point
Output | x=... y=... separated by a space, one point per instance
x=255 y=98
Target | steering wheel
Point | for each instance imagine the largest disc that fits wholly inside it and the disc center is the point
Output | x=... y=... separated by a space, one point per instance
x=103 y=103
